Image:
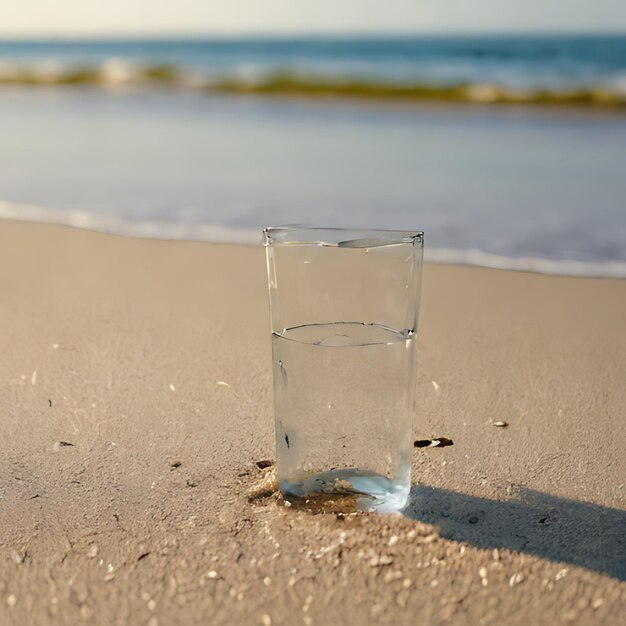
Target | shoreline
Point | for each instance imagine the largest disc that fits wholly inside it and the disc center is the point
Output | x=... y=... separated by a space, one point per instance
x=208 y=233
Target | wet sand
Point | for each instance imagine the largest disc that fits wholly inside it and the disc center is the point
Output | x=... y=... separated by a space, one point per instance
x=136 y=400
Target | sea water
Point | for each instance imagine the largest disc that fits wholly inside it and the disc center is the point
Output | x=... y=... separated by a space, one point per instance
x=343 y=400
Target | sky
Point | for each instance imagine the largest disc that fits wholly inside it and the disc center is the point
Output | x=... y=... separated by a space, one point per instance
x=179 y=17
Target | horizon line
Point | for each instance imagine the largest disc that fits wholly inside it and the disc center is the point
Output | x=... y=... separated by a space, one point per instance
x=262 y=35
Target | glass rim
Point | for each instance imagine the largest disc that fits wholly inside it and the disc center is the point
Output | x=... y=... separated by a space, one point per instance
x=305 y=235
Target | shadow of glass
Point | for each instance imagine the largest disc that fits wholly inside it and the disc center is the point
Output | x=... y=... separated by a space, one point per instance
x=536 y=523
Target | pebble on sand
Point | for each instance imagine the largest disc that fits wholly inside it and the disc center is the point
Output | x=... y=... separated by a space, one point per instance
x=378 y=561
x=266 y=620
x=11 y=600
x=307 y=604
x=393 y=575
x=501 y=424
x=93 y=551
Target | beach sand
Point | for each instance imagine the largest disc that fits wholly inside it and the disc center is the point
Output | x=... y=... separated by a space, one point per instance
x=152 y=359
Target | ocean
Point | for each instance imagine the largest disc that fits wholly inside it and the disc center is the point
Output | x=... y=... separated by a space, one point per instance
x=507 y=151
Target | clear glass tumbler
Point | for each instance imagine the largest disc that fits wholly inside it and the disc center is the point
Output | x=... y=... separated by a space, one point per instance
x=344 y=307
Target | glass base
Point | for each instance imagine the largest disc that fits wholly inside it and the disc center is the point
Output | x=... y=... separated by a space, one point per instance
x=373 y=492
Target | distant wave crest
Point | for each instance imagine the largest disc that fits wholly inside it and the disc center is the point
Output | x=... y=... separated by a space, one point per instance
x=118 y=72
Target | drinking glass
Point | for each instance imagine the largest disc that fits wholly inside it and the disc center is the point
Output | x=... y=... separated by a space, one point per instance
x=344 y=306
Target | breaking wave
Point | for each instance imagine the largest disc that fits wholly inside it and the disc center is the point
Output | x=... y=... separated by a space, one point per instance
x=115 y=73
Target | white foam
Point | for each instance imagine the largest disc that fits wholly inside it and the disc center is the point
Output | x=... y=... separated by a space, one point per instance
x=116 y=71
x=223 y=234
x=591 y=269
x=155 y=230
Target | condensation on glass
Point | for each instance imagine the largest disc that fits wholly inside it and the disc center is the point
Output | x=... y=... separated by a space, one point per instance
x=344 y=306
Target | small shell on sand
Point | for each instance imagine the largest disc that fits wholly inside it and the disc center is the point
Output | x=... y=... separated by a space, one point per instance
x=561 y=574
x=18 y=556
x=221 y=383
x=439 y=442
x=501 y=424
x=57 y=445
x=516 y=579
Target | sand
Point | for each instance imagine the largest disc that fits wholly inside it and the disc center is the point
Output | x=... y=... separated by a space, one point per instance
x=136 y=398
